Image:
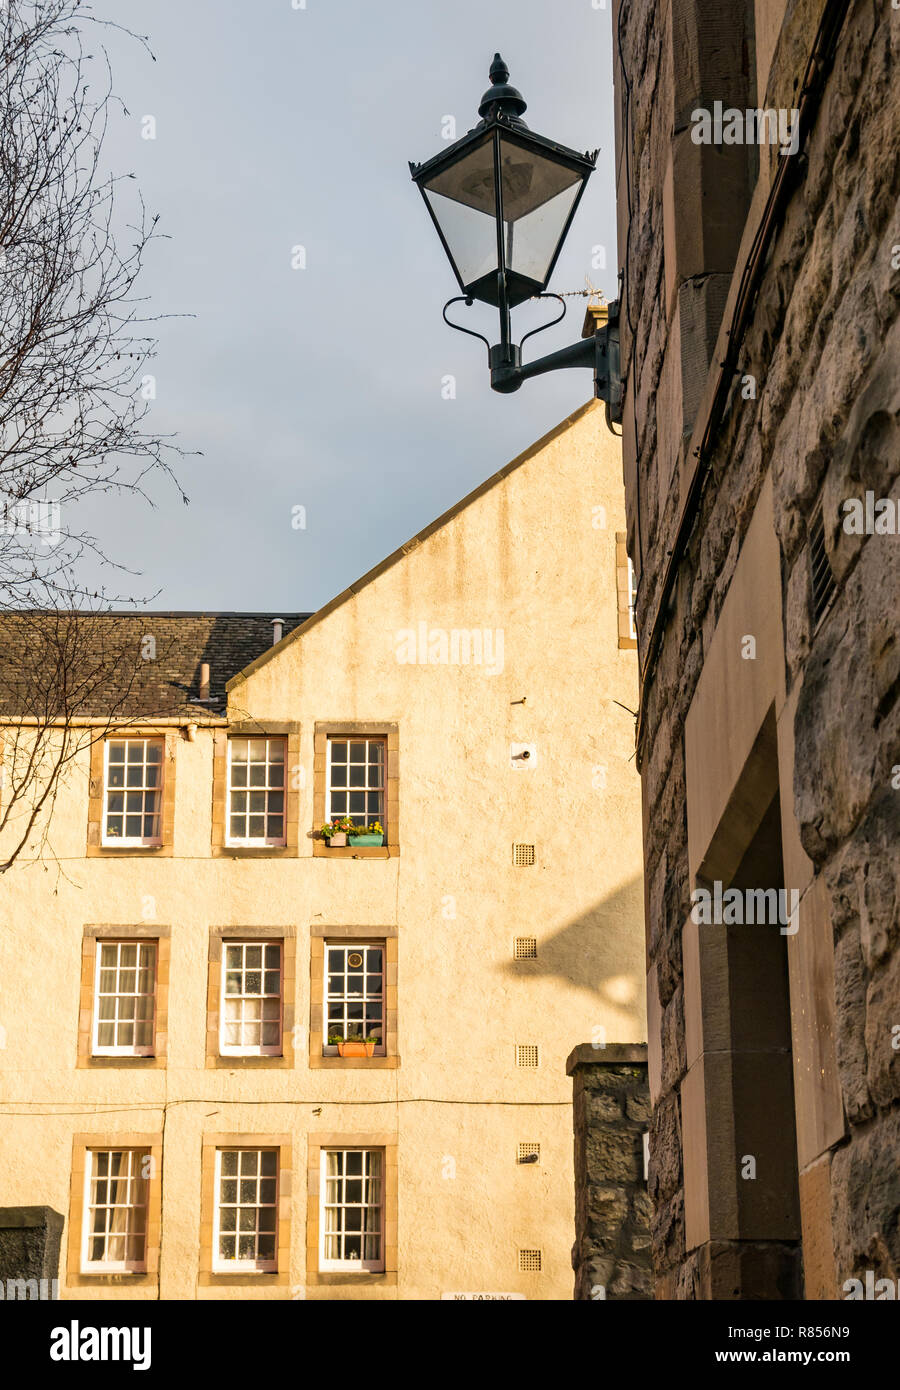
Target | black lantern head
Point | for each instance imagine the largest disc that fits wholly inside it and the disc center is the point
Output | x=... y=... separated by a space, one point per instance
x=502 y=199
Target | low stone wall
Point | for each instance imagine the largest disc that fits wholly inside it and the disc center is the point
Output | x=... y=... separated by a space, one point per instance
x=29 y=1252
x=611 y=1103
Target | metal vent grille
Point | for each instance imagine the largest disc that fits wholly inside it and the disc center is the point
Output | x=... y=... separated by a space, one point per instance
x=523 y=855
x=821 y=579
x=526 y=948
x=528 y=1153
x=526 y=1055
x=530 y=1261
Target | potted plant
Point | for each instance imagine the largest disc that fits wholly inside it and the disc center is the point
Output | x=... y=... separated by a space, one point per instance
x=355 y=1047
x=367 y=834
x=335 y=832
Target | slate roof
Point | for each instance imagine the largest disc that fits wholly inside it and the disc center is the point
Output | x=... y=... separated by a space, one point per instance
x=93 y=664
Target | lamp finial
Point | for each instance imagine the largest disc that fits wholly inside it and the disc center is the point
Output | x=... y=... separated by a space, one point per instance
x=501 y=99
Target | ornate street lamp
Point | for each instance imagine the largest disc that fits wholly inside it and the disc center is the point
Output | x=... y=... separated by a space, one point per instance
x=502 y=200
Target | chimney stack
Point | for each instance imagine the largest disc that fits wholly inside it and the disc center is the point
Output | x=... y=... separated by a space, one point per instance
x=595 y=316
x=277 y=630
x=204 y=680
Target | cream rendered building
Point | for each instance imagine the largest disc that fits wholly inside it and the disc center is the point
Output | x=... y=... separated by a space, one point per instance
x=499 y=926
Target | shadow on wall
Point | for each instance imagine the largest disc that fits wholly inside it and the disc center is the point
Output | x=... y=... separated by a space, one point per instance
x=587 y=953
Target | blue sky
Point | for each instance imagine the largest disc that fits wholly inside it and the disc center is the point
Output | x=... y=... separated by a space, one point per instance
x=321 y=387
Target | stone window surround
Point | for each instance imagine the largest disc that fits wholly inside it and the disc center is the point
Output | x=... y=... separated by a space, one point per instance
x=724 y=1068
x=95 y=848
x=390 y=732
x=623 y=594
x=252 y=728
x=279 y=1277
x=81 y=1145
x=319 y=934
x=129 y=931
x=388 y=1144
x=287 y=937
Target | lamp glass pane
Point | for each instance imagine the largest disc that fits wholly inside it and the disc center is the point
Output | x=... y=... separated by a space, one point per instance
x=469 y=180
x=531 y=242
x=538 y=196
x=462 y=200
x=471 y=237
x=531 y=179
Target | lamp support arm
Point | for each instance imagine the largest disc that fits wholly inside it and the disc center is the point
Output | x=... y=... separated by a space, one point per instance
x=600 y=352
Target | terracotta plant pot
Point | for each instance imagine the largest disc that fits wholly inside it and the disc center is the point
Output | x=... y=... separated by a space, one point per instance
x=356 y=1049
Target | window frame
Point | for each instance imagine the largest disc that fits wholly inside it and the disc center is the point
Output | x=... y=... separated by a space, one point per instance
x=134 y=1050
x=108 y=841
x=263 y=1049
x=332 y=944
x=87 y=1265
x=257 y=841
x=367 y=739
x=626 y=595
x=361 y=1266
x=323 y=729
x=236 y=1266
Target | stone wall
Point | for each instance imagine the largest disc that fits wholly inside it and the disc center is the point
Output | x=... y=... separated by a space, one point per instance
x=611 y=1254
x=29 y=1251
x=823 y=423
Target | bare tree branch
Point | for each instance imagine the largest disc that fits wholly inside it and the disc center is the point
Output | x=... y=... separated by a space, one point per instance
x=75 y=345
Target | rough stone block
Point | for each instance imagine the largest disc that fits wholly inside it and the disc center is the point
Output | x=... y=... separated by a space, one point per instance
x=612 y=1212
x=29 y=1245
x=883 y=1033
x=865 y=1197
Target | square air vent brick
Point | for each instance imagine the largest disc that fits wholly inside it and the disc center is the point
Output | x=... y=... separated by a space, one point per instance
x=526 y=948
x=528 y=1153
x=523 y=855
x=529 y=1261
x=526 y=1055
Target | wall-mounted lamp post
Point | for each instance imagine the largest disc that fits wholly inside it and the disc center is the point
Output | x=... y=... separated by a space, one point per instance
x=502 y=200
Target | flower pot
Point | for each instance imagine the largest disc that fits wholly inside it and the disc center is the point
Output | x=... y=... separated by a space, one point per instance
x=356 y=1049
x=337 y=841
x=366 y=839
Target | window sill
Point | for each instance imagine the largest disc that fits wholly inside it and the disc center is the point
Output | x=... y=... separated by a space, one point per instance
x=123 y=1057
x=148 y=1063
x=251 y=1056
x=324 y=1278
x=257 y=845
x=390 y=1063
x=254 y=851
x=323 y=851
x=220 y=1062
x=131 y=844
x=96 y=851
x=219 y=1278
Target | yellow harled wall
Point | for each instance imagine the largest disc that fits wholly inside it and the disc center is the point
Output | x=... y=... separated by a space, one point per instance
x=532 y=556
